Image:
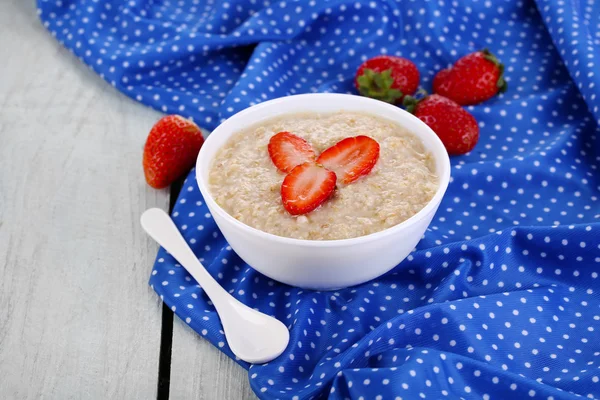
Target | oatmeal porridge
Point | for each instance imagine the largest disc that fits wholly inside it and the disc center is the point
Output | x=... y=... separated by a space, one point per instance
x=244 y=181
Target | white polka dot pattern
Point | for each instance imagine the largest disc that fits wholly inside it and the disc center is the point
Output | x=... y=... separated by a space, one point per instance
x=500 y=299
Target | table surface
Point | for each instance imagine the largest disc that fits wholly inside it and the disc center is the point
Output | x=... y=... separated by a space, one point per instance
x=77 y=317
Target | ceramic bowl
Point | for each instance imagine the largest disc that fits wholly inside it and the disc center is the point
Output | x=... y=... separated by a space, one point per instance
x=322 y=264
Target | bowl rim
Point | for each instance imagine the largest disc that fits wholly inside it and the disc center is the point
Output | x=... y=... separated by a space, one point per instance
x=444 y=178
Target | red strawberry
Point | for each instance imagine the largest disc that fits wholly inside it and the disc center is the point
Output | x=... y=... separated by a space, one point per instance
x=306 y=188
x=457 y=129
x=387 y=78
x=351 y=158
x=171 y=150
x=474 y=78
x=288 y=151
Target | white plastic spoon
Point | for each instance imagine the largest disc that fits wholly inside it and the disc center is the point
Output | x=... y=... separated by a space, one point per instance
x=252 y=336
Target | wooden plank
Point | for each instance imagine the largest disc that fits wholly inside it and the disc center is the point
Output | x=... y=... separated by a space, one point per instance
x=199 y=371
x=77 y=318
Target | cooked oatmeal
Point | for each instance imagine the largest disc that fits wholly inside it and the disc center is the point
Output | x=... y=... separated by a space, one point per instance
x=246 y=184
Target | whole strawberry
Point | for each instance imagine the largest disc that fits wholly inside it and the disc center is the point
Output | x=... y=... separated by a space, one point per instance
x=473 y=79
x=457 y=128
x=171 y=150
x=387 y=78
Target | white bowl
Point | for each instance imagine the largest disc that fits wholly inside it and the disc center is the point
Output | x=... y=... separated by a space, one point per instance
x=322 y=264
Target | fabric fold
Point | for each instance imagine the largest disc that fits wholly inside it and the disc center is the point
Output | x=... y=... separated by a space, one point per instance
x=500 y=298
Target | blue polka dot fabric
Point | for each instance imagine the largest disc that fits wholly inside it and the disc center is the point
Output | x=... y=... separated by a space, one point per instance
x=501 y=297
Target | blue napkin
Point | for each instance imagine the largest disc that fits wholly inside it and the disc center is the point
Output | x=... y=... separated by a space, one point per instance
x=501 y=297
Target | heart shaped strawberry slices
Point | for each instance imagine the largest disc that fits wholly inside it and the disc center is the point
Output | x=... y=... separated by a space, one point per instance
x=311 y=180
x=306 y=188
x=288 y=151
x=351 y=158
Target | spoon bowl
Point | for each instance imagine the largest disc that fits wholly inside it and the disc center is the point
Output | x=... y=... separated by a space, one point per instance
x=255 y=339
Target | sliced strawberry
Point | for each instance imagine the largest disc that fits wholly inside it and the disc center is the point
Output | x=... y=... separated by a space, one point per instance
x=306 y=188
x=351 y=158
x=288 y=151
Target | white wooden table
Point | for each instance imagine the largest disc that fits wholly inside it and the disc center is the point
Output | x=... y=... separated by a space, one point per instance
x=77 y=317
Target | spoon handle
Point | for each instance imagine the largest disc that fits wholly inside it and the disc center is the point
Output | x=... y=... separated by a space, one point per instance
x=161 y=228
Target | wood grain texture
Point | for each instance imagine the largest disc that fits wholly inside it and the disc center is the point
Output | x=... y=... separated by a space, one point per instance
x=201 y=372
x=77 y=318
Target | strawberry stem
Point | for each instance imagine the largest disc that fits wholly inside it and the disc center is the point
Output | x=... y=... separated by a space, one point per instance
x=378 y=85
x=410 y=103
x=501 y=83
